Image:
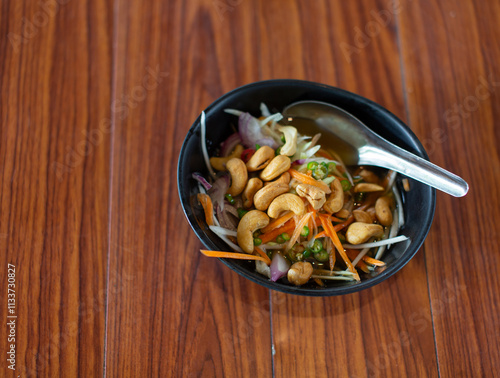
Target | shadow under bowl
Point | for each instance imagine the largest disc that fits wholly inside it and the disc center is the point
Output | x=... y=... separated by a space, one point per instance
x=418 y=203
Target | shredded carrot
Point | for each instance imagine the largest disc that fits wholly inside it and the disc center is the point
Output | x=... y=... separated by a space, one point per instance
x=278 y=222
x=372 y=261
x=362 y=265
x=321 y=234
x=231 y=255
x=341 y=226
x=298 y=229
x=208 y=207
x=271 y=235
x=263 y=254
x=305 y=179
x=330 y=231
x=353 y=253
x=318 y=281
x=335 y=219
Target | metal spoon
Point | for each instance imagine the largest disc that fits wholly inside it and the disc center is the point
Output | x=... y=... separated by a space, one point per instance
x=367 y=148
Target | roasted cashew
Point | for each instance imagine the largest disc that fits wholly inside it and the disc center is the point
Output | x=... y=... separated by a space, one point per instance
x=368 y=176
x=360 y=232
x=383 y=210
x=335 y=200
x=253 y=185
x=285 y=202
x=362 y=216
x=260 y=159
x=283 y=179
x=371 y=211
x=276 y=167
x=343 y=213
x=219 y=163
x=249 y=223
x=313 y=194
x=239 y=176
x=300 y=272
x=290 y=146
x=264 y=196
x=368 y=187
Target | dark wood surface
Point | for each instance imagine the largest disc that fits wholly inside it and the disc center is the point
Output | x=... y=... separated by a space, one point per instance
x=96 y=99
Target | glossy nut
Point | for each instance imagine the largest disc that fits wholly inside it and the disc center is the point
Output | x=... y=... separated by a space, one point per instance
x=280 y=164
x=359 y=232
x=362 y=216
x=300 y=272
x=286 y=202
x=383 y=210
x=343 y=213
x=368 y=176
x=249 y=223
x=253 y=185
x=313 y=194
x=260 y=159
x=290 y=146
x=283 y=179
x=264 y=196
x=368 y=188
x=239 y=176
x=335 y=200
x=219 y=163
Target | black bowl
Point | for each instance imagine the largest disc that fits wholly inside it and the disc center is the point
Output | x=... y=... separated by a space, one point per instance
x=418 y=203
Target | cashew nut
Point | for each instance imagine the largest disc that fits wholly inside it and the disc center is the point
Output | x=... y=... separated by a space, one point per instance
x=253 y=185
x=360 y=232
x=335 y=200
x=285 y=202
x=290 y=146
x=371 y=211
x=260 y=159
x=283 y=179
x=219 y=163
x=313 y=194
x=264 y=196
x=362 y=216
x=249 y=223
x=300 y=272
x=276 y=167
x=367 y=187
x=239 y=176
x=368 y=176
x=344 y=214
x=383 y=210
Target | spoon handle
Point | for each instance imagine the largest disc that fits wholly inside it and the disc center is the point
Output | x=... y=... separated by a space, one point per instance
x=399 y=160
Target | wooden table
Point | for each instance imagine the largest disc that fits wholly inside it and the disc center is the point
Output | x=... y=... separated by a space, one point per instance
x=96 y=99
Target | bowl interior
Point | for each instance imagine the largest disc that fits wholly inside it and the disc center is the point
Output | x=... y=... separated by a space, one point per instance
x=418 y=203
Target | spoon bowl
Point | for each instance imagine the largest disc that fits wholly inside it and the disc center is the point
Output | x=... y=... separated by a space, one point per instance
x=361 y=146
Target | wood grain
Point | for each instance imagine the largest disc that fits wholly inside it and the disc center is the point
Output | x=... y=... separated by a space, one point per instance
x=55 y=82
x=96 y=99
x=179 y=314
x=449 y=50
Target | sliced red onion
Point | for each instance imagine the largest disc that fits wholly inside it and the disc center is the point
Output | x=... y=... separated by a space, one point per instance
x=198 y=177
x=229 y=144
x=231 y=210
x=279 y=267
x=299 y=161
x=267 y=142
x=225 y=219
x=218 y=191
x=251 y=133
